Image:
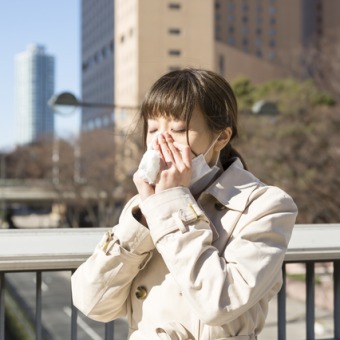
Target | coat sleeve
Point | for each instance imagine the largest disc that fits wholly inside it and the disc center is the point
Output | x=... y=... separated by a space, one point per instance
x=221 y=287
x=101 y=285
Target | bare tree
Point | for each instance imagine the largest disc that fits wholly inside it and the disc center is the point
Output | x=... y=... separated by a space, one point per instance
x=298 y=151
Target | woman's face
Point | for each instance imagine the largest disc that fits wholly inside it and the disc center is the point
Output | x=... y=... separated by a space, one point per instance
x=199 y=136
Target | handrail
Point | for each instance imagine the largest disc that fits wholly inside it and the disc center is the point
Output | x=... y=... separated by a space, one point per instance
x=55 y=249
x=314 y=242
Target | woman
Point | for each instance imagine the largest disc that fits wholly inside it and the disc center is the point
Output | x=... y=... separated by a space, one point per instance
x=198 y=253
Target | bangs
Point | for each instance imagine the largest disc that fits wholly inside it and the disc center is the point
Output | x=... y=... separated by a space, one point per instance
x=173 y=96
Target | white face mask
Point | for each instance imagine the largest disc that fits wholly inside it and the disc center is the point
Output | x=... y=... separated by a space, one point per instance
x=202 y=173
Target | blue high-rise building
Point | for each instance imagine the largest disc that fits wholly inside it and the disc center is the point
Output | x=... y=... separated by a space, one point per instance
x=34 y=86
x=97 y=58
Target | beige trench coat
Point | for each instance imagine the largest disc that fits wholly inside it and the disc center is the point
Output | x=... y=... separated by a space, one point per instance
x=204 y=269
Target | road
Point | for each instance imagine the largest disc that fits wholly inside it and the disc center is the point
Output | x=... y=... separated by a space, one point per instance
x=56 y=307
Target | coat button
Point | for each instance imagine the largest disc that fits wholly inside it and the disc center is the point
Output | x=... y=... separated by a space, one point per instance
x=219 y=206
x=141 y=293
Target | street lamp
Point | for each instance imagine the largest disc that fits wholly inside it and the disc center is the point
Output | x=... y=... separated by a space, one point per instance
x=66 y=99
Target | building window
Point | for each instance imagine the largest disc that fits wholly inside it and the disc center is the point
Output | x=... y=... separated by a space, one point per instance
x=90 y=63
x=231 y=6
x=272 y=10
x=245 y=42
x=231 y=29
x=175 y=53
x=174 y=5
x=106 y=121
x=122 y=115
x=221 y=64
x=258 y=31
x=98 y=122
x=259 y=53
x=105 y=51
x=91 y=124
x=174 y=31
x=85 y=66
x=174 y=68
x=272 y=32
x=231 y=18
x=244 y=30
x=98 y=57
x=245 y=19
x=271 y=55
x=231 y=41
x=272 y=43
x=259 y=20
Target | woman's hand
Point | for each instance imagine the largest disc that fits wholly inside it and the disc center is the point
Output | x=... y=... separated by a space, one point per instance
x=144 y=189
x=175 y=167
x=176 y=163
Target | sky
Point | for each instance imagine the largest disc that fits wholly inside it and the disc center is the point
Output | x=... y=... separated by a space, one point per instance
x=54 y=24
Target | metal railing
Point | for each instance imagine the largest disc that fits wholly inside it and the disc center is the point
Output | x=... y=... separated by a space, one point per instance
x=47 y=250
x=311 y=244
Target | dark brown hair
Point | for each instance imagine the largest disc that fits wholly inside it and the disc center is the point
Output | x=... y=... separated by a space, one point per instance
x=177 y=93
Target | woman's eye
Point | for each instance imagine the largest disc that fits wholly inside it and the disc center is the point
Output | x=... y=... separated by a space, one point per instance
x=178 y=130
x=152 y=131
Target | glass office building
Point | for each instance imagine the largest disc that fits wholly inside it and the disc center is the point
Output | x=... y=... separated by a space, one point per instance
x=34 y=86
x=97 y=53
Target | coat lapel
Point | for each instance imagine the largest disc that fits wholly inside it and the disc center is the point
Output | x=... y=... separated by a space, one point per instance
x=234 y=187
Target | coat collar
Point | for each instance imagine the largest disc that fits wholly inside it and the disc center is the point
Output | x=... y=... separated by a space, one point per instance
x=234 y=186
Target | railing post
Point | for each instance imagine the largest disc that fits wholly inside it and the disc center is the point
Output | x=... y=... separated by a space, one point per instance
x=2 y=306
x=38 y=327
x=281 y=307
x=336 y=283
x=109 y=330
x=310 y=301
x=74 y=317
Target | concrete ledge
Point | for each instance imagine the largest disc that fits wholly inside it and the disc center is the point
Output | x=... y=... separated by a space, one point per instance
x=46 y=249
x=66 y=249
x=314 y=242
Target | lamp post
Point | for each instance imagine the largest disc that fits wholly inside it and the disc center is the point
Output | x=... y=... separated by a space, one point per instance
x=64 y=104
x=3 y=179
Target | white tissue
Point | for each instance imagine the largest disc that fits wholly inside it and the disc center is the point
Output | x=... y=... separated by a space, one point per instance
x=150 y=165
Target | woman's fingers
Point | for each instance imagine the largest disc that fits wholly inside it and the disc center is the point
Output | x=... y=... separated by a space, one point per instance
x=185 y=153
x=177 y=154
x=165 y=150
x=174 y=152
x=178 y=168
